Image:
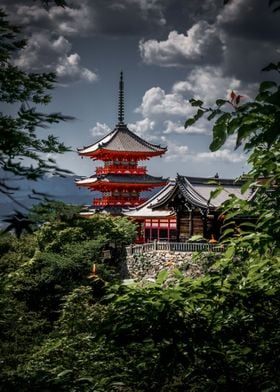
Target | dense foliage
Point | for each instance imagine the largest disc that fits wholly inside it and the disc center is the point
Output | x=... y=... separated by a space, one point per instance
x=40 y=269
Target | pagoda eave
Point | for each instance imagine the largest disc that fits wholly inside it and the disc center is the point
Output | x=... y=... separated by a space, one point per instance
x=107 y=155
x=106 y=186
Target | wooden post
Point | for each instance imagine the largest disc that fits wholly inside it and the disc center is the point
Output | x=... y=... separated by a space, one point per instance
x=155 y=244
x=191 y=222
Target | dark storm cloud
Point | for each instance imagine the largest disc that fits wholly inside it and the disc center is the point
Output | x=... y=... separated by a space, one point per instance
x=113 y=17
x=32 y=16
x=251 y=34
x=240 y=37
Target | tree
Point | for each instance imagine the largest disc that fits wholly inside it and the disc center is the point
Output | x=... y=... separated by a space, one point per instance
x=22 y=149
x=256 y=127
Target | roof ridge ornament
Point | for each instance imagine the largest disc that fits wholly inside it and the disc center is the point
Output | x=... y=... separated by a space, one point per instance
x=121 y=101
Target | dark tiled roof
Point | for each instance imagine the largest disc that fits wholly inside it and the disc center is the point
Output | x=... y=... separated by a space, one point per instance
x=196 y=192
x=121 y=139
x=122 y=179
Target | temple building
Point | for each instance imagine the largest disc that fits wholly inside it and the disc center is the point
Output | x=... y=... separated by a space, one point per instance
x=184 y=208
x=180 y=209
x=120 y=180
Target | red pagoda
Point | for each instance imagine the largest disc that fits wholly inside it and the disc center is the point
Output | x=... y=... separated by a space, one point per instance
x=120 y=179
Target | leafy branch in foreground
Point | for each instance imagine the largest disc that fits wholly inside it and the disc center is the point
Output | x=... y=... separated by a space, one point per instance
x=22 y=149
x=256 y=126
x=254 y=122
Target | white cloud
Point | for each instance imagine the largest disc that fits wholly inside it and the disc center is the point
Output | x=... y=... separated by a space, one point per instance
x=168 y=111
x=173 y=127
x=144 y=128
x=100 y=129
x=225 y=155
x=156 y=102
x=177 y=127
x=207 y=83
x=200 y=44
x=176 y=152
x=44 y=53
x=182 y=153
x=69 y=66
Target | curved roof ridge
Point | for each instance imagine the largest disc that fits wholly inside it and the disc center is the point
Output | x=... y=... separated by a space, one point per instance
x=141 y=140
x=122 y=139
x=191 y=194
x=155 y=196
x=98 y=142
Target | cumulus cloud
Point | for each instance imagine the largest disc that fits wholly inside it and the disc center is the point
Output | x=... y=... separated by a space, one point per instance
x=183 y=153
x=156 y=102
x=44 y=53
x=100 y=129
x=176 y=152
x=177 y=127
x=201 y=44
x=144 y=128
x=207 y=83
x=225 y=155
x=69 y=66
x=168 y=111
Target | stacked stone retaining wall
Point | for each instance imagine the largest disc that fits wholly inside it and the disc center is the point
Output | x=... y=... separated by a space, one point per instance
x=148 y=265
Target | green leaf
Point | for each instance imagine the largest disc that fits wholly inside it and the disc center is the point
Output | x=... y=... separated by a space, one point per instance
x=62 y=374
x=199 y=114
x=229 y=252
x=272 y=67
x=223 y=119
x=215 y=193
x=221 y=102
x=219 y=137
x=196 y=102
x=244 y=131
x=162 y=276
x=246 y=186
x=212 y=115
x=190 y=122
x=267 y=85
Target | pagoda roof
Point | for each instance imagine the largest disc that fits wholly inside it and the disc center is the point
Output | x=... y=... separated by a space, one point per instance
x=122 y=140
x=145 y=179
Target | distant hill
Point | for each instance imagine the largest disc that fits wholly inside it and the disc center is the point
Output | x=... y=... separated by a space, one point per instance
x=59 y=188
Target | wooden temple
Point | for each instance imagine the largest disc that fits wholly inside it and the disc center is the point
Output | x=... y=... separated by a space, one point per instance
x=184 y=208
x=120 y=180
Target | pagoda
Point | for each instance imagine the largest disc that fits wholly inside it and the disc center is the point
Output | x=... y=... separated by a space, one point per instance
x=120 y=180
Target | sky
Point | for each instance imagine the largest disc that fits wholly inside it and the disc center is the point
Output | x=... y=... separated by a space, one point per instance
x=169 y=50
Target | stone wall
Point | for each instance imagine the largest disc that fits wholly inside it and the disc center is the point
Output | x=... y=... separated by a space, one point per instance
x=148 y=265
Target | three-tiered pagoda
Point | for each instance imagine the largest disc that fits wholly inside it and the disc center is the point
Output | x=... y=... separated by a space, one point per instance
x=121 y=180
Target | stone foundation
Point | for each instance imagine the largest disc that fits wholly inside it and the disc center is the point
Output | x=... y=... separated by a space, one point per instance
x=148 y=265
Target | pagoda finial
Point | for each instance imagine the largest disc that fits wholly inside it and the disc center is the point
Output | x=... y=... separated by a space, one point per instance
x=121 y=100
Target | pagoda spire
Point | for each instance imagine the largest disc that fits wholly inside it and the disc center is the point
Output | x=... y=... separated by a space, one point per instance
x=121 y=101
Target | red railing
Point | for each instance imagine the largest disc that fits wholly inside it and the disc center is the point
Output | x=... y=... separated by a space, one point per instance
x=118 y=169
x=117 y=201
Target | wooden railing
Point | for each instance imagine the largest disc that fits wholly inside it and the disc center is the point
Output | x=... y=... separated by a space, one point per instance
x=173 y=247
x=117 y=201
